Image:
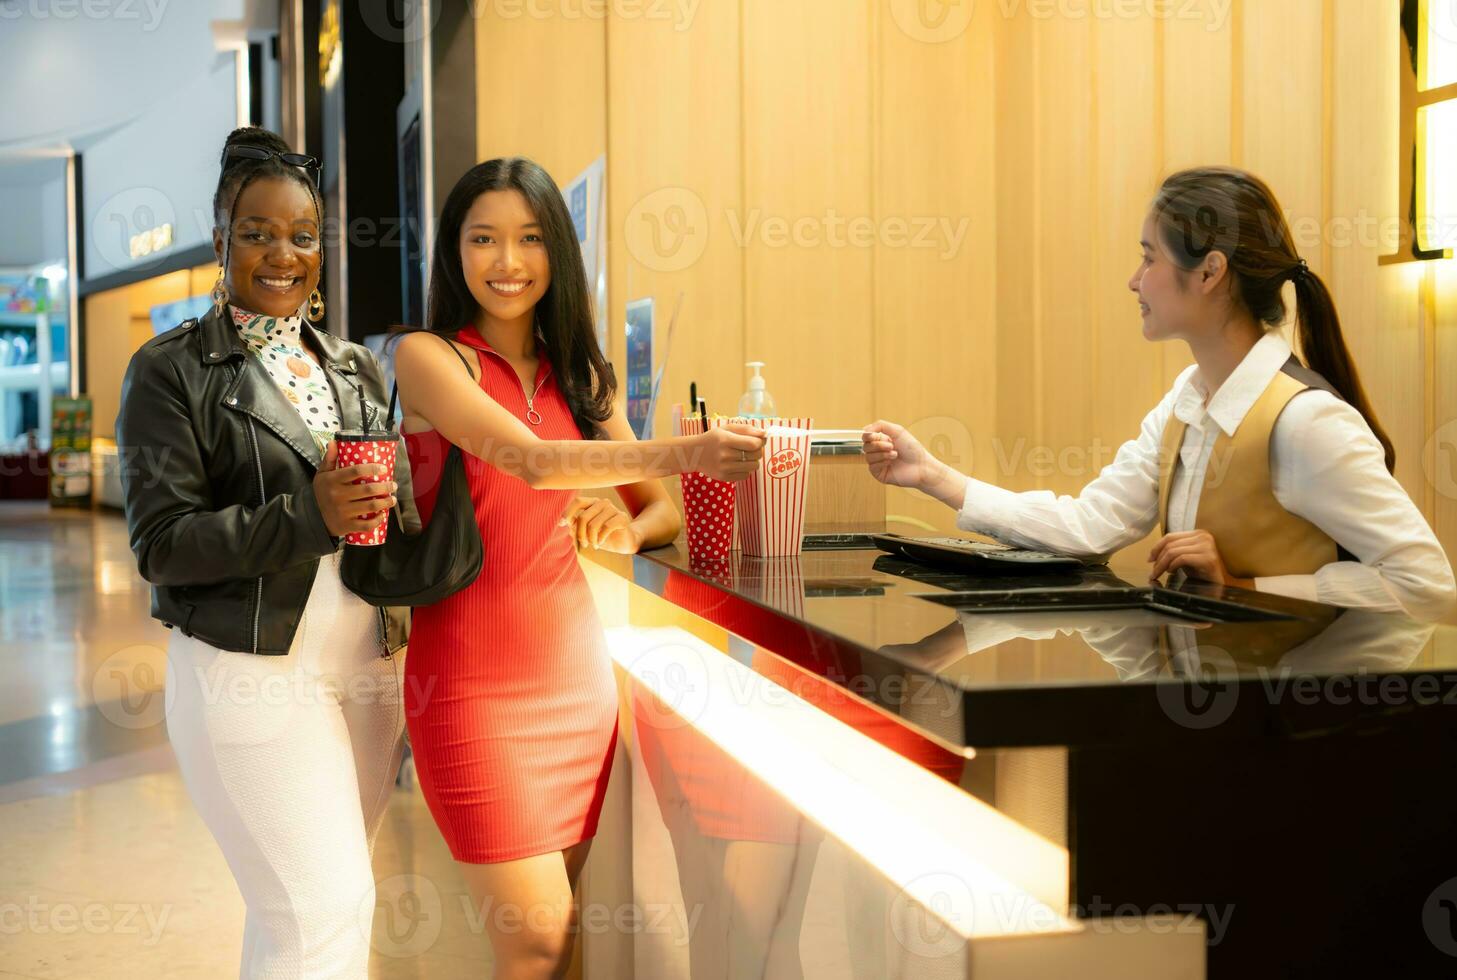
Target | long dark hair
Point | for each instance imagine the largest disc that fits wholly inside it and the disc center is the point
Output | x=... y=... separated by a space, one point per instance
x=1223 y=209
x=564 y=314
x=236 y=173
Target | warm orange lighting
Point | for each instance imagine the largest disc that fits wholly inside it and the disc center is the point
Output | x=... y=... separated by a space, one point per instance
x=1436 y=137
x=1437 y=65
x=330 y=56
x=1437 y=176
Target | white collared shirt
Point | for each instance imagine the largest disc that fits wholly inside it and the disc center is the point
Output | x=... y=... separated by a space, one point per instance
x=1325 y=466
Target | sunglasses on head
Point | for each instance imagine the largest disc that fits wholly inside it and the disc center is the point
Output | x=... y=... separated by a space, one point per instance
x=310 y=165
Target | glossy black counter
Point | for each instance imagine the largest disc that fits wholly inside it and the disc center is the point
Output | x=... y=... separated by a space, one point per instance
x=1085 y=658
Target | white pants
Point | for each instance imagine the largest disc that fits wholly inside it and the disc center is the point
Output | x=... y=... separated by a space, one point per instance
x=290 y=761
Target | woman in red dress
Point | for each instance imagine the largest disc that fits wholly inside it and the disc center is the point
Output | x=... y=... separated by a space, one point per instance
x=510 y=699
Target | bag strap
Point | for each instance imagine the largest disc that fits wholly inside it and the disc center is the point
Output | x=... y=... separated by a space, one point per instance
x=395 y=388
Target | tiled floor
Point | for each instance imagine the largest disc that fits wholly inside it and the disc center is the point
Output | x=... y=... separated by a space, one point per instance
x=105 y=869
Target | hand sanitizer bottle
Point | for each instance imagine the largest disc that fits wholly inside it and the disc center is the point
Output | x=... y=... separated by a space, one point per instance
x=756 y=403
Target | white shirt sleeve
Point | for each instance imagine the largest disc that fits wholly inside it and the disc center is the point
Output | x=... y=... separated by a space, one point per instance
x=1117 y=508
x=1327 y=467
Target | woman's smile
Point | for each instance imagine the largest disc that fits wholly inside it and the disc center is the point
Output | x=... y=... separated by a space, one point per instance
x=509 y=287
x=279 y=284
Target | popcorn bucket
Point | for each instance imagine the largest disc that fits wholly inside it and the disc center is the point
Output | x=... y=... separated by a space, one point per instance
x=708 y=508
x=770 y=504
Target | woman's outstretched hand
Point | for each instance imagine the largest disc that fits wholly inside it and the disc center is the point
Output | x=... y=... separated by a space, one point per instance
x=896 y=457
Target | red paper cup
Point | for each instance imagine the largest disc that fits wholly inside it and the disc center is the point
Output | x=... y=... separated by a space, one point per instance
x=708 y=509
x=357 y=449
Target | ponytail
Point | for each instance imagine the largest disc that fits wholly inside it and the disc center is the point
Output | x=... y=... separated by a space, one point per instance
x=1318 y=327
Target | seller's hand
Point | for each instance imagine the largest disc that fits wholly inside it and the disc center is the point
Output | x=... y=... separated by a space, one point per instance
x=344 y=504
x=729 y=452
x=897 y=458
x=598 y=523
x=1197 y=554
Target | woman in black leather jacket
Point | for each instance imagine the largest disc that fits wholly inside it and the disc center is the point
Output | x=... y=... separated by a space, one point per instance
x=283 y=690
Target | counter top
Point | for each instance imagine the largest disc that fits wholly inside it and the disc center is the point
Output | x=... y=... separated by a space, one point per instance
x=1096 y=656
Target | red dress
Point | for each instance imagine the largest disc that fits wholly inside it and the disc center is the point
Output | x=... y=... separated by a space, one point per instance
x=509 y=692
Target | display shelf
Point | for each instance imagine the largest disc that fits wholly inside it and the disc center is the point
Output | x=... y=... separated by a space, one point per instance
x=28 y=376
x=27 y=320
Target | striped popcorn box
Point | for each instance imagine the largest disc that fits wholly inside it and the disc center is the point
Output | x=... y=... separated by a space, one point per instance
x=708 y=509
x=771 y=502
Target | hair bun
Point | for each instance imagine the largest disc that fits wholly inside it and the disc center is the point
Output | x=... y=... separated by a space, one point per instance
x=255 y=136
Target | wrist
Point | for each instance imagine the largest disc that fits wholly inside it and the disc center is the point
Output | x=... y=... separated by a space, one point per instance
x=943 y=483
x=314 y=516
x=684 y=455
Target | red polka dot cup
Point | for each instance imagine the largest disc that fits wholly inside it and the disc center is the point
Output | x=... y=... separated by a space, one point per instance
x=358 y=449
x=708 y=506
x=708 y=510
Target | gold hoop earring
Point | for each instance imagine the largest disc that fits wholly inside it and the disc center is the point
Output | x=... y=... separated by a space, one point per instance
x=316 y=305
x=219 y=293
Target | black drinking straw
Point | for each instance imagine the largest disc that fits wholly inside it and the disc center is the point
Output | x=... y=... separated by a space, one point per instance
x=363 y=415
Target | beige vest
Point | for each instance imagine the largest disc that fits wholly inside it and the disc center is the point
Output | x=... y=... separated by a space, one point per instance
x=1255 y=536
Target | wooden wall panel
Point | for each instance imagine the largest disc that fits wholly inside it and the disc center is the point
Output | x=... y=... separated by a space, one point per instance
x=808 y=296
x=1127 y=164
x=540 y=86
x=674 y=180
x=1284 y=99
x=1018 y=166
x=935 y=328
x=1064 y=226
x=1197 y=66
x=1438 y=453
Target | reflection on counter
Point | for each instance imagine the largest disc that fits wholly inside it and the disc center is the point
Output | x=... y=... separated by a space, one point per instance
x=1144 y=644
x=789 y=845
x=828 y=675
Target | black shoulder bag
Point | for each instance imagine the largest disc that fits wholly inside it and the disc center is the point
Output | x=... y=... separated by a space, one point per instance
x=421 y=569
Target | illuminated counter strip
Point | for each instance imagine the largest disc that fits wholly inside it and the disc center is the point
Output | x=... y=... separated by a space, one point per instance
x=953 y=887
x=849 y=785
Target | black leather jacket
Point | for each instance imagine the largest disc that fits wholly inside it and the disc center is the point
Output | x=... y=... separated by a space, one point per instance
x=217 y=469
